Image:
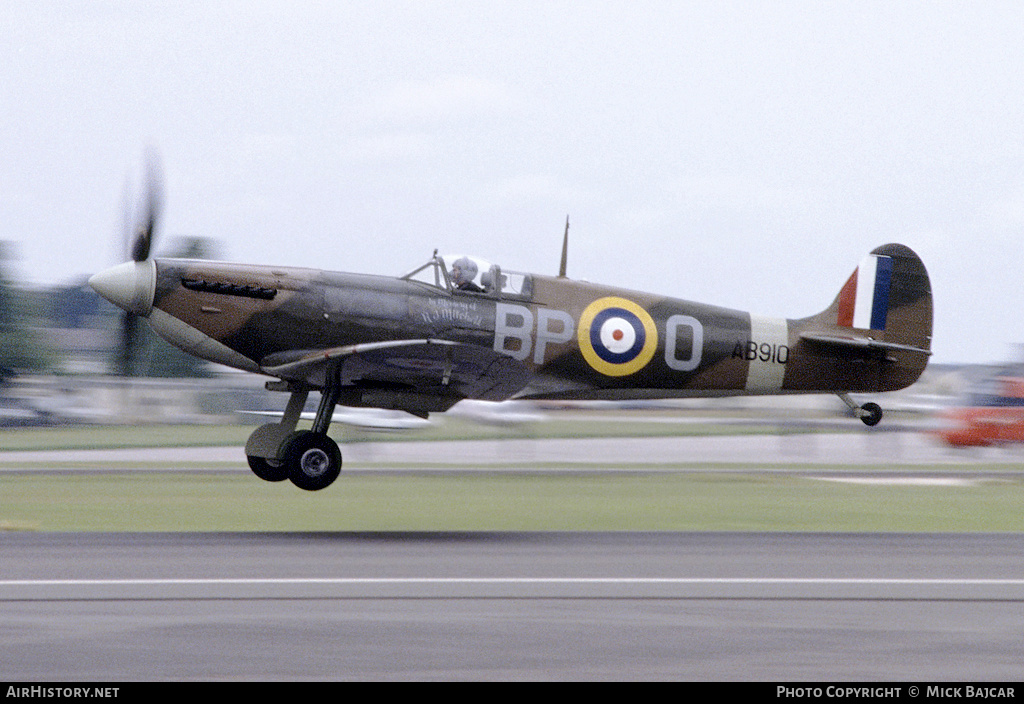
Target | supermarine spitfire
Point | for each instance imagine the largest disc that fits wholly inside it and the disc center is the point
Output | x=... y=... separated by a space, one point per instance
x=459 y=327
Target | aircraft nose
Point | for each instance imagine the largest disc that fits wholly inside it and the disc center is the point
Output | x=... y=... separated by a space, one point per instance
x=131 y=286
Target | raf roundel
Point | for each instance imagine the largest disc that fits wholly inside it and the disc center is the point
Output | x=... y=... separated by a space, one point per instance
x=617 y=337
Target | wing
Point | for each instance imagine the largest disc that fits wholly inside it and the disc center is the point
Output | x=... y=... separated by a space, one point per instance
x=418 y=376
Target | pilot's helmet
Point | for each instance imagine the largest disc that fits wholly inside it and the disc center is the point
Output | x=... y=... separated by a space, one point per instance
x=463 y=271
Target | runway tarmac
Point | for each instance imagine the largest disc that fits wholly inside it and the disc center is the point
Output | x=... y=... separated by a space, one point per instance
x=520 y=606
x=511 y=606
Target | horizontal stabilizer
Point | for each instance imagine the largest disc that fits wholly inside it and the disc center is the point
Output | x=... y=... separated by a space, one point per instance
x=863 y=344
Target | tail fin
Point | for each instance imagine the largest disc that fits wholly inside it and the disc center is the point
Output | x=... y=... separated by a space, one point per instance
x=882 y=314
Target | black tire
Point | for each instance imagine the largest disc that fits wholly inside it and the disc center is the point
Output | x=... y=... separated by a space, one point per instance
x=268 y=470
x=313 y=460
x=873 y=414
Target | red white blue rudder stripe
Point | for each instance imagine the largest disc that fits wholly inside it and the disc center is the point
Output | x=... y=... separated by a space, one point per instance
x=864 y=300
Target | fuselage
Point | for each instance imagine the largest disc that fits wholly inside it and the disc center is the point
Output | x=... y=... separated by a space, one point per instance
x=567 y=339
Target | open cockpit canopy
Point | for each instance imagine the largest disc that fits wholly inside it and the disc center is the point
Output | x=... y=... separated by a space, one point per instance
x=468 y=274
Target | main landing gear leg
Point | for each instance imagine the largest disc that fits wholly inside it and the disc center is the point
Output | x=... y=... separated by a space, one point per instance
x=311 y=458
x=263 y=449
x=869 y=413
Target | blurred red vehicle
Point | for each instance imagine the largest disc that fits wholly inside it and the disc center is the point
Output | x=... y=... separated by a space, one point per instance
x=993 y=415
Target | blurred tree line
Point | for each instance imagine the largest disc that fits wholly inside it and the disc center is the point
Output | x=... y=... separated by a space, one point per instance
x=42 y=329
x=22 y=348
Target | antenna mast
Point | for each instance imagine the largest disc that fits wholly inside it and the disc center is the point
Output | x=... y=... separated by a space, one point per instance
x=565 y=249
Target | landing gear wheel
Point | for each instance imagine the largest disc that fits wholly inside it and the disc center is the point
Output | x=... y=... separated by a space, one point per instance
x=313 y=460
x=268 y=470
x=871 y=413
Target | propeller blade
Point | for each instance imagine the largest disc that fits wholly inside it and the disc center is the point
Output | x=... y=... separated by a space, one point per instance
x=142 y=243
x=129 y=344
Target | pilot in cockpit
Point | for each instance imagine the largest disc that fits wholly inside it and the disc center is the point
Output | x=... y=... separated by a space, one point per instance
x=463 y=272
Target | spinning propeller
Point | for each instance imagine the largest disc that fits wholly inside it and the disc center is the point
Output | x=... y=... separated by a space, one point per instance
x=130 y=285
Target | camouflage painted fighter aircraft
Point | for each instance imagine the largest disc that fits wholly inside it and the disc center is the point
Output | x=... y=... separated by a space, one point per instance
x=459 y=327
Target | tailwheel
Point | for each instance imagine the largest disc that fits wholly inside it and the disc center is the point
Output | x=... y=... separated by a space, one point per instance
x=870 y=414
x=312 y=460
x=268 y=470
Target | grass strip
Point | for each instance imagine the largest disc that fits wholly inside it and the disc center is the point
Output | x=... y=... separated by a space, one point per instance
x=498 y=502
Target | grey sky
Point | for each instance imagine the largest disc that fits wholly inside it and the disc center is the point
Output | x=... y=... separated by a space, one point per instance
x=746 y=154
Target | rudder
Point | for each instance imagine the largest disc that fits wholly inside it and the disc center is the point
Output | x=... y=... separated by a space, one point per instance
x=882 y=314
